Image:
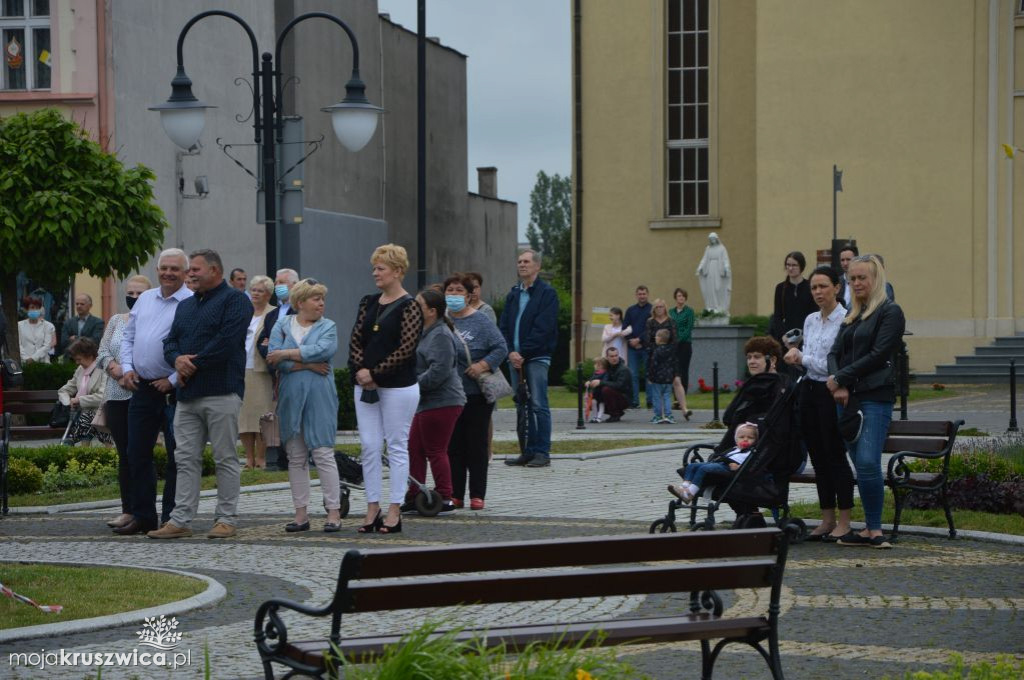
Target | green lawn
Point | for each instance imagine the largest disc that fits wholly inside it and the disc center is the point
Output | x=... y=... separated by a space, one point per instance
x=962 y=519
x=86 y=591
x=559 y=397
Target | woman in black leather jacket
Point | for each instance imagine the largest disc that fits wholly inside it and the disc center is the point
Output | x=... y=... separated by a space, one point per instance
x=861 y=376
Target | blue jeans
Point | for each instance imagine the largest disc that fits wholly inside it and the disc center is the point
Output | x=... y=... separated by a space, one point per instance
x=866 y=454
x=695 y=472
x=638 y=360
x=148 y=413
x=661 y=396
x=538 y=432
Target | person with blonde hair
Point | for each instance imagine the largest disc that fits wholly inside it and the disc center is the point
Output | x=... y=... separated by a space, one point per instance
x=259 y=386
x=382 y=362
x=861 y=380
x=302 y=347
x=116 y=398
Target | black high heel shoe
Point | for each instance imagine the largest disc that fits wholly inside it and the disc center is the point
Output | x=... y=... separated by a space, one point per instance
x=396 y=529
x=373 y=526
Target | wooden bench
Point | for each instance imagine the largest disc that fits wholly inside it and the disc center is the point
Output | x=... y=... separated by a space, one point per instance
x=24 y=402
x=467 y=575
x=908 y=440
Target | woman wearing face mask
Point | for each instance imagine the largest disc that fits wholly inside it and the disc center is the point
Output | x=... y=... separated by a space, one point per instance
x=467 y=451
x=37 y=337
x=115 y=405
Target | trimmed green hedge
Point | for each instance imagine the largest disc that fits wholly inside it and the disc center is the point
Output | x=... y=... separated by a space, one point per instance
x=55 y=454
x=47 y=376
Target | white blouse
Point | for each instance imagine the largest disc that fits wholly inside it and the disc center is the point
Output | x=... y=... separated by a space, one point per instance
x=819 y=335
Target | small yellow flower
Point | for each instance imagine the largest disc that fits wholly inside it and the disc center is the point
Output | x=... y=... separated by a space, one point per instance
x=583 y=675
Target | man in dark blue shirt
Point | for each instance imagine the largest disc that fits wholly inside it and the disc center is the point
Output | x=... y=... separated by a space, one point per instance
x=206 y=346
x=636 y=318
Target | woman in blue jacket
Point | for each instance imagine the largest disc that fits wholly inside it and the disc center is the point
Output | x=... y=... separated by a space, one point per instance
x=301 y=348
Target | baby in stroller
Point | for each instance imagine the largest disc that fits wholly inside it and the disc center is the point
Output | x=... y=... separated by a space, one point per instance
x=694 y=473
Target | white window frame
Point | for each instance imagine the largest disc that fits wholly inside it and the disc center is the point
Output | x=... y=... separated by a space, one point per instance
x=28 y=23
x=682 y=143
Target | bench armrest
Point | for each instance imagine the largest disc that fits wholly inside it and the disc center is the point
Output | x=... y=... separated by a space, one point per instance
x=898 y=464
x=693 y=455
x=274 y=628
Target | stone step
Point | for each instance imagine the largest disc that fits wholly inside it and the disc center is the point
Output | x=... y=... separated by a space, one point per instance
x=1009 y=341
x=989 y=359
x=1000 y=351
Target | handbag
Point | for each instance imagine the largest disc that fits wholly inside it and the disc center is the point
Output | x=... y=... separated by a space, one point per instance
x=270 y=429
x=99 y=421
x=851 y=423
x=60 y=416
x=493 y=384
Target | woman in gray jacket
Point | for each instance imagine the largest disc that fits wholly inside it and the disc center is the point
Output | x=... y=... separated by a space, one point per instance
x=441 y=400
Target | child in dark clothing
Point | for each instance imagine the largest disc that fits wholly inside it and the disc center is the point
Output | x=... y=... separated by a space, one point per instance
x=694 y=473
x=600 y=369
x=661 y=371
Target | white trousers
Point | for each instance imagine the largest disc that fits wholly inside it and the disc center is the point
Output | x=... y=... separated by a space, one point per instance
x=298 y=473
x=387 y=421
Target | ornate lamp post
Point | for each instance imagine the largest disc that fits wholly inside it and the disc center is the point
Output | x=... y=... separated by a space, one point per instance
x=183 y=117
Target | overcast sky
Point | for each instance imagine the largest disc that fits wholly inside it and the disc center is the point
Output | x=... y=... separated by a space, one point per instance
x=518 y=79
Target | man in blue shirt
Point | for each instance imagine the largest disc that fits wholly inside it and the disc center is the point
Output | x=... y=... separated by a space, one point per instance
x=206 y=346
x=636 y=318
x=529 y=323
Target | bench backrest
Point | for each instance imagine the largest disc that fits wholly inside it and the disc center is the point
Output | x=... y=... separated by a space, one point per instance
x=921 y=436
x=29 y=401
x=463 y=574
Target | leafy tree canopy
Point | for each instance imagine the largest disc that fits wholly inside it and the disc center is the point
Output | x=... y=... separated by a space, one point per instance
x=550 y=217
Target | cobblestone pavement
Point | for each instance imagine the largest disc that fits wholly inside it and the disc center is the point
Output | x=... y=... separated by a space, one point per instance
x=847 y=613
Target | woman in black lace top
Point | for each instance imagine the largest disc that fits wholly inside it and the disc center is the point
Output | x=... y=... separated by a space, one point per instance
x=382 y=361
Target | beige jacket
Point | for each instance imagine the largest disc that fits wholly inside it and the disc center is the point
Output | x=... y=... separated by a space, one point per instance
x=97 y=387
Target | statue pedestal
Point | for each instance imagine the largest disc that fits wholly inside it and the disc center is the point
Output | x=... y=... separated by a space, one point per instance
x=723 y=344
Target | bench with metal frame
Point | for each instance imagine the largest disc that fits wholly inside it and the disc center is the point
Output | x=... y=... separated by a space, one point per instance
x=473 y=574
x=25 y=402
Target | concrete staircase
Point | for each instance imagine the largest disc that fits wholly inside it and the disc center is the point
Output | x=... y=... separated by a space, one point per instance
x=989 y=364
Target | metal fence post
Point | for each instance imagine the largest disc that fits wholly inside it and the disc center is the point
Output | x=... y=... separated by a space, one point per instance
x=1013 y=397
x=714 y=388
x=579 y=397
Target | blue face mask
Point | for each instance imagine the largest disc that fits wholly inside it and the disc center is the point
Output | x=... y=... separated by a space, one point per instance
x=281 y=292
x=456 y=303
x=35 y=313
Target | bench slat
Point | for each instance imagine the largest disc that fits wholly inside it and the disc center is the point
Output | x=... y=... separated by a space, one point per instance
x=25 y=407
x=18 y=396
x=518 y=587
x=921 y=428
x=579 y=551
x=619 y=631
x=921 y=444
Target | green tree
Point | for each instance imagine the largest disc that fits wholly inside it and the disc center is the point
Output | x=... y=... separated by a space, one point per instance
x=550 y=218
x=68 y=206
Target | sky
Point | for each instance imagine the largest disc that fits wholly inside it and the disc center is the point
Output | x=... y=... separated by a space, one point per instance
x=518 y=73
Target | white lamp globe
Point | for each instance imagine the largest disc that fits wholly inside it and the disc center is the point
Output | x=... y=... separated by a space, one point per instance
x=184 y=125
x=354 y=123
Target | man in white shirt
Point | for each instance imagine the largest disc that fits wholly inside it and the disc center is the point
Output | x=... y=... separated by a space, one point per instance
x=153 y=380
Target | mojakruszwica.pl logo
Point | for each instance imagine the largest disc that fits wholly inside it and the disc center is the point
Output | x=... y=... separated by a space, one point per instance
x=157 y=632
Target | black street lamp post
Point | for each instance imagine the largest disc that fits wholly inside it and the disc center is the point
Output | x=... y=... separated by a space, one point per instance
x=354 y=119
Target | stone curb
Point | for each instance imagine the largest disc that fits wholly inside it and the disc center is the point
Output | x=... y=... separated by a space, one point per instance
x=114 y=502
x=214 y=592
x=941 y=532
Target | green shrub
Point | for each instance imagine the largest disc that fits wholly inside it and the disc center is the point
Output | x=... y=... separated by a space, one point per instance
x=58 y=455
x=40 y=376
x=160 y=461
x=346 y=399
x=76 y=475
x=23 y=477
x=760 y=323
x=1005 y=668
x=996 y=459
x=569 y=377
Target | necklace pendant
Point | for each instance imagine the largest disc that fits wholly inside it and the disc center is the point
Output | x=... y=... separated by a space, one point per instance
x=376 y=327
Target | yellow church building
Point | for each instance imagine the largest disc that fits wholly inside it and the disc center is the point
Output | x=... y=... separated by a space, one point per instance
x=693 y=116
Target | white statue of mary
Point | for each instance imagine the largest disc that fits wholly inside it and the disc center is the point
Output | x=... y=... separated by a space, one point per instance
x=715 y=276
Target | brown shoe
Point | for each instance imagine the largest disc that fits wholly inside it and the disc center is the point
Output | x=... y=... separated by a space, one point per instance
x=170 y=530
x=221 y=530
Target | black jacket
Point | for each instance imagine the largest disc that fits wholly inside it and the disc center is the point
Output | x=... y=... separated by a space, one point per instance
x=862 y=357
x=619 y=378
x=538 y=329
x=661 y=368
x=751 y=404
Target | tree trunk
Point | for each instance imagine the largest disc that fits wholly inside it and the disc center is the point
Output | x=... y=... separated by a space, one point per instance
x=9 y=294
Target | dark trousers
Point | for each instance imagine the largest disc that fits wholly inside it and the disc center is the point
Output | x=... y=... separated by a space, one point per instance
x=818 y=421
x=615 y=402
x=684 y=352
x=116 y=413
x=149 y=412
x=467 y=450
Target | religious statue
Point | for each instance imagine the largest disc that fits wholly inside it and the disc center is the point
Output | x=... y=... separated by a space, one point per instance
x=715 y=276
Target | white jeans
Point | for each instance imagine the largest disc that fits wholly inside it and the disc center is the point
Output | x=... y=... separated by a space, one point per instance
x=388 y=420
x=298 y=473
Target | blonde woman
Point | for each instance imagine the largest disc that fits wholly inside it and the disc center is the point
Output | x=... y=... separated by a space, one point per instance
x=382 y=362
x=259 y=386
x=860 y=366
x=302 y=346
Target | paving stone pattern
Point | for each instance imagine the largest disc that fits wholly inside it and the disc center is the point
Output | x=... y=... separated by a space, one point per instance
x=847 y=612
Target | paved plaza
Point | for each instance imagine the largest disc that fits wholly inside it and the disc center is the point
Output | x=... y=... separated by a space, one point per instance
x=847 y=612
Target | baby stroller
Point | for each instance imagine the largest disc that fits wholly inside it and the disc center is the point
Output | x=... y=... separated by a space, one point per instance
x=762 y=480
x=350 y=475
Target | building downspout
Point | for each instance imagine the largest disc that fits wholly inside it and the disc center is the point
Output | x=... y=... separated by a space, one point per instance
x=993 y=173
x=577 y=104
x=103 y=112
x=1008 y=247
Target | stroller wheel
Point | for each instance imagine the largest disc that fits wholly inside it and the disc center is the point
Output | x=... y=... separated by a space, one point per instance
x=796 y=528
x=662 y=526
x=343 y=506
x=428 y=503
